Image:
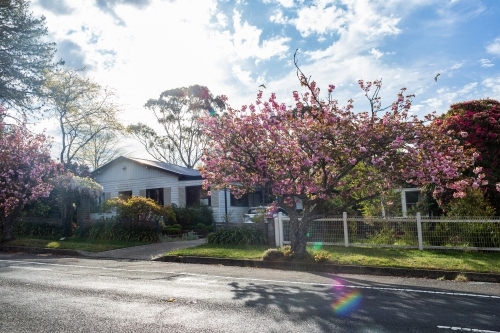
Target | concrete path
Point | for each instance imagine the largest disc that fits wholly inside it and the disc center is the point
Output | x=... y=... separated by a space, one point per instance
x=144 y=252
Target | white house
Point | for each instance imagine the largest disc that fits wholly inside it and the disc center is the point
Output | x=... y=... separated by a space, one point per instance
x=169 y=184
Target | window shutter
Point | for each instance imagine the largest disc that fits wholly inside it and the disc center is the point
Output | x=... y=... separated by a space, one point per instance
x=107 y=196
x=215 y=198
x=142 y=193
x=167 y=196
x=182 y=196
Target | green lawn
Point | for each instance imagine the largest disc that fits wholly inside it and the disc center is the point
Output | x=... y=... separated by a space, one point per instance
x=69 y=243
x=383 y=257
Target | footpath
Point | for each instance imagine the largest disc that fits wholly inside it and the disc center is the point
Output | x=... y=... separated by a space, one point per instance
x=156 y=252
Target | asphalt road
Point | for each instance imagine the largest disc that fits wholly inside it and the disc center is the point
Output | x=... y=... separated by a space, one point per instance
x=58 y=294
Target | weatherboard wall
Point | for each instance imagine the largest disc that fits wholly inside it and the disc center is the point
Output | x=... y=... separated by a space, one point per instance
x=126 y=175
x=130 y=176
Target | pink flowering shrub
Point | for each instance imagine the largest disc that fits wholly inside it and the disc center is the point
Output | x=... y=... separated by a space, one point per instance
x=25 y=172
x=476 y=124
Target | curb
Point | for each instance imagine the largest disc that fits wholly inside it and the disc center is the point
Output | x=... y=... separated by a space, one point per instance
x=37 y=250
x=335 y=269
x=281 y=265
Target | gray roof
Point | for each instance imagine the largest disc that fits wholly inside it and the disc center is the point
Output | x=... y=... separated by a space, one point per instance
x=175 y=169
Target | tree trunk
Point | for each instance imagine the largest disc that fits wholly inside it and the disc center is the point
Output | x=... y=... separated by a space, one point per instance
x=298 y=233
x=8 y=229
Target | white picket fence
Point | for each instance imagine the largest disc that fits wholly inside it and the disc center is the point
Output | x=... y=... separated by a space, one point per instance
x=409 y=232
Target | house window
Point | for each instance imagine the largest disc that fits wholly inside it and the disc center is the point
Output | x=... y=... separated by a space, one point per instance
x=156 y=194
x=125 y=194
x=196 y=195
x=412 y=197
x=241 y=202
x=253 y=199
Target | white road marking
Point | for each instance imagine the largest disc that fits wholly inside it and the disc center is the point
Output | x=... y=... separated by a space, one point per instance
x=465 y=329
x=255 y=280
x=32 y=268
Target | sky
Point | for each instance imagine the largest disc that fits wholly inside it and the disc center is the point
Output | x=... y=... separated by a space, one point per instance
x=143 y=47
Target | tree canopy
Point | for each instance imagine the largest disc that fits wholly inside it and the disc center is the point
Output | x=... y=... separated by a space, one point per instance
x=476 y=124
x=177 y=111
x=83 y=108
x=318 y=151
x=24 y=55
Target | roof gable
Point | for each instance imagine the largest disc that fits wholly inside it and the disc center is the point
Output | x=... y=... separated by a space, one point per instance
x=182 y=172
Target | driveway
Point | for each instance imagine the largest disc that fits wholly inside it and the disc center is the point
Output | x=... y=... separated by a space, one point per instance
x=144 y=252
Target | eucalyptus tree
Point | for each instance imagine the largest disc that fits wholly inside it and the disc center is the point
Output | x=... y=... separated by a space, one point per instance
x=177 y=112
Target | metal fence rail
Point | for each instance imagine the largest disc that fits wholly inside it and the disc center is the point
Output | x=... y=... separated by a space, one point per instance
x=412 y=232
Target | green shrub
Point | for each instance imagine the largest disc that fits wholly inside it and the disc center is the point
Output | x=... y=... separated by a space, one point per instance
x=273 y=255
x=384 y=236
x=473 y=204
x=237 y=236
x=190 y=216
x=171 y=230
x=38 y=229
x=113 y=230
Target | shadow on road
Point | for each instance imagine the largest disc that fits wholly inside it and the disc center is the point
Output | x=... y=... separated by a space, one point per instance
x=367 y=310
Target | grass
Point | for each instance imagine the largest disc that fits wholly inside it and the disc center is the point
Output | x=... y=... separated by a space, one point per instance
x=69 y=243
x=464 y=261
x=223 y=251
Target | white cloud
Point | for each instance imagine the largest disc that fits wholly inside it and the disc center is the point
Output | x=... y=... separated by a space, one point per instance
x=456 y=66
x=494 y=47
x=376 y=53
x=434 y=103
x=494 y=85
x=246 y=41
x=486 y=63
x=277 y=17
x=221 y=20
x=243 y=76
x=322 y=17
x=448 y=96
x=284 y=3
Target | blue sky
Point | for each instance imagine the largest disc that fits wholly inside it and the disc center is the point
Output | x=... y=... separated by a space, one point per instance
x=143 y=47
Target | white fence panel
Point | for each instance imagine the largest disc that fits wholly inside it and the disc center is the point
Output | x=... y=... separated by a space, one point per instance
x=409 y=232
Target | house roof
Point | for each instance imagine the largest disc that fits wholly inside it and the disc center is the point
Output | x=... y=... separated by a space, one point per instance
x=182 y=172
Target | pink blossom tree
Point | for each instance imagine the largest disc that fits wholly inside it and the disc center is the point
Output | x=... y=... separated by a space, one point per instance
x=318 y=151
x=25 y=172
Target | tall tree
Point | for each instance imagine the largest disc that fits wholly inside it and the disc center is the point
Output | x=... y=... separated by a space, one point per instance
x=24 y=55
x=83 y=109
x=101 y=149
x=320 y=151
x=26 y=170
x=177 y=111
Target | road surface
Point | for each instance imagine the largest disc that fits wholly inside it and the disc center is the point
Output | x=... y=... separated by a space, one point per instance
x=60 y=294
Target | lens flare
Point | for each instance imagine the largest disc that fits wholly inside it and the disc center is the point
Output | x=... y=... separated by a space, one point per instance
x=317 y=246
x=347 y=303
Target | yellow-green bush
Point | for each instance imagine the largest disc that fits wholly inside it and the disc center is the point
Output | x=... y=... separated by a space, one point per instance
x=140 y=209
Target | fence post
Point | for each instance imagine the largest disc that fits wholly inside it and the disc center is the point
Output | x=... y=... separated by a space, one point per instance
x=279 y=231
x=419 y=232
x=346 y=231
